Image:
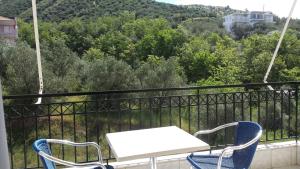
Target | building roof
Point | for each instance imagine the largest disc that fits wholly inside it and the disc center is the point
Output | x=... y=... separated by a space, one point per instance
x=244 y=13
x=2 y=18
x=264 y=12
x=7 y=21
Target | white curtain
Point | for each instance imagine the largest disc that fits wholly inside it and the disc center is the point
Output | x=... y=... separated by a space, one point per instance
x=4 y=157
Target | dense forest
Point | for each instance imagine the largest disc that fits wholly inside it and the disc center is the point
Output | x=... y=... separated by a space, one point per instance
x=83 y=50
x=58 y=10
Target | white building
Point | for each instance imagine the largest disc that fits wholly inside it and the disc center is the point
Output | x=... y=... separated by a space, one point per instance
x=249 y=18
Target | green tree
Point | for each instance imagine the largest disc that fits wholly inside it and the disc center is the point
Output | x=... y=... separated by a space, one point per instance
x=196 y=59
x=93 y=54
x=163 y=43
x=257 y=54
x=290 y=74
x=139 y=28
x=116 y=44
x=229 y=63
x=77 y=38
x=160 y=73
x=261 y=63
x=22 y=74
x=168 y=41
x=252 y=47
x=61 y=67
x=49 y=33
x=3 y=60
x=25 y=32
x=108 y=73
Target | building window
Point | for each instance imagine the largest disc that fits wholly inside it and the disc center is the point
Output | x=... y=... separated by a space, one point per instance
x=6 y=29
x=1 y=29
x=259 y=16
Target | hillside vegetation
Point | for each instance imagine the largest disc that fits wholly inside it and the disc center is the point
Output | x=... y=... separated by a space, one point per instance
x=122 y=52
x=57 y=10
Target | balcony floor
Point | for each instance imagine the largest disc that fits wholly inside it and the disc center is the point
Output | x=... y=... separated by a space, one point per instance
x=292 y=167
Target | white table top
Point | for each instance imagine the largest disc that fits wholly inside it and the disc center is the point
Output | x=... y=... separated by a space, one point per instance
x=147 y=143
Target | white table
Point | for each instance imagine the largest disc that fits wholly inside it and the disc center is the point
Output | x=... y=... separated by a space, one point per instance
x=152 y=143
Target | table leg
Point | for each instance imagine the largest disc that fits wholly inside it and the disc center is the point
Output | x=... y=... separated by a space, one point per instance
x=153 y=163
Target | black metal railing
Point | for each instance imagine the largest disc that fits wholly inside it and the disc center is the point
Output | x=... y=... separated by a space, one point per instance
x=89 y=116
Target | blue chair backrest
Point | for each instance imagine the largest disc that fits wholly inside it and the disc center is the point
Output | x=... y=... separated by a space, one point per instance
x=245 y=132
x=42 y=145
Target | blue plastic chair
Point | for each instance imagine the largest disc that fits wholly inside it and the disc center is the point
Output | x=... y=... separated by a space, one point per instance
x=247 y=135
x=41 y=146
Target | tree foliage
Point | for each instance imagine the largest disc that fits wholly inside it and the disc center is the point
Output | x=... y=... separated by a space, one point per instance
x=109 y=73
x=53 y=10
x=160 y=73
x=124 y=52
x=61 y=67
x=21 y=73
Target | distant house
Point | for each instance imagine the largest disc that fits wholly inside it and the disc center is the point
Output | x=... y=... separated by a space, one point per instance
x=8 y=30
x=249 y=18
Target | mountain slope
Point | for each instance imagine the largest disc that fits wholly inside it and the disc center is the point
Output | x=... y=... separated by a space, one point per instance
x=12 y=8
x=57 y=10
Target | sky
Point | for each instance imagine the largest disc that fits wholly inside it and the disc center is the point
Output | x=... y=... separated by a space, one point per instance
x=278 y=7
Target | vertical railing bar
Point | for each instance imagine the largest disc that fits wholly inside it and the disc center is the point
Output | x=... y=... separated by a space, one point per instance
x=36 y=135
x=207 y=111
x=198 y=109
x=86 y=131
x=267 y=115
x=233 y=106
x=242 y=106
x=207 y=115
x=258 y=107
x=10 y=142
x=119 y=115
x=274 y=114
x=62 y=130
x=24 y=138
x=289 y=112
x=297 y=109
x=281 y=114
x=170 y=110
x=130 y=114
x=140 y=111
x=98 y=138
x=189 y=113
x=179 y=112
x=74 y=131
x=150 y=111
x=216 y=111
x=108 y=125
x=98 y=115
x=160 y=115
x=250 y=105
x=49 y=123
x=225 y=118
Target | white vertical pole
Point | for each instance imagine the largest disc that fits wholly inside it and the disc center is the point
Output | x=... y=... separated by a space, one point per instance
x=38 y=51
x=279 y=43
x=4 y=156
